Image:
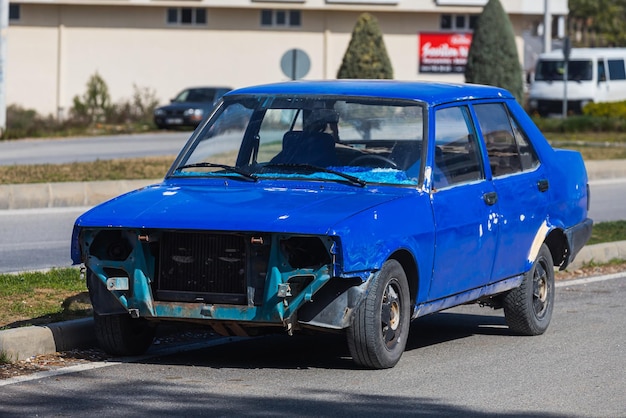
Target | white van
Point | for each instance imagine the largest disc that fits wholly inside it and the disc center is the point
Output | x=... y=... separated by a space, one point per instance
x=594 y=75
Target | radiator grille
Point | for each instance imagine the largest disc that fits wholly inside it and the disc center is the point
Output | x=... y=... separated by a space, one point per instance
x=202 y=267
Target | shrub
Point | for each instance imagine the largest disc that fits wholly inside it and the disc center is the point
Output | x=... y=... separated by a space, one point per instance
x=95 y=104
x=581 y=123
x=27 y=123
x=607 y=109
x=366 y=56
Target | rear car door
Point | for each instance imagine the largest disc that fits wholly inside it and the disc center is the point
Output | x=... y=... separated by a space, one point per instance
x=521 y=185
x=464 y=205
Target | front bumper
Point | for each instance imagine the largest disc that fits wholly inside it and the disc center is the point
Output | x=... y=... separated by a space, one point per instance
x=233 y=281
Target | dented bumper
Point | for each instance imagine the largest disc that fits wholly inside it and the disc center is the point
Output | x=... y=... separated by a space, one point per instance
x=232 y=281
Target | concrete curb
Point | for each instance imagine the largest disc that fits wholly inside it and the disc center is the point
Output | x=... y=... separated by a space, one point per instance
x=49 y=195
x=599 y=253
x=25 y=342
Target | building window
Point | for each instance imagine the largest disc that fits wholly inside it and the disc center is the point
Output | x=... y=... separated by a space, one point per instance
x=186 y=16
x=281 y=18
x=14 y=12
x=458 y=22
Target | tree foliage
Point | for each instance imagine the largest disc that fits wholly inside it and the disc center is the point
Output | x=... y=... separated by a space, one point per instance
x=493 y=58
x=604 y=17
x=366 y=55
x=95 y=102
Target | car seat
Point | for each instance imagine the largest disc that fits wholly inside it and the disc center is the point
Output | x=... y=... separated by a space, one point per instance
x=316 y=148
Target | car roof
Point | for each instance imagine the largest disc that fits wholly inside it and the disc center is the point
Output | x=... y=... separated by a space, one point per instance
x=585 y=53
x=432 y=93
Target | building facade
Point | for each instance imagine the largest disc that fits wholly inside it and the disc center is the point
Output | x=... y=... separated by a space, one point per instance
x=54 y=46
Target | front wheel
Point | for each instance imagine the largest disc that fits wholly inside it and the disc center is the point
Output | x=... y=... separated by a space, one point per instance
x=380 y=327
x=122 y=335
x=528 y=308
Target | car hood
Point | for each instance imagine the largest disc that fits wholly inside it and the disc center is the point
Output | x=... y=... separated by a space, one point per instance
x=245 y=207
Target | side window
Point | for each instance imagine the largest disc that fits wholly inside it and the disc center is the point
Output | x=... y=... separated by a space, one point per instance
x=526 y=151
x=616 y=69
x=457 y=155
x=507 y=145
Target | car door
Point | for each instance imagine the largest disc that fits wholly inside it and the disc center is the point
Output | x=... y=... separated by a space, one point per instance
x=464 y=205
x=520 y=183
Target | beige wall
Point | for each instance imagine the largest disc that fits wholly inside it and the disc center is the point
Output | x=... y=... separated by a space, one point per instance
x=54 y=49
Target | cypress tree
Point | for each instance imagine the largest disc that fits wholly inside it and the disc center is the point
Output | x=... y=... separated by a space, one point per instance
x=366 y=56
x=492 y=58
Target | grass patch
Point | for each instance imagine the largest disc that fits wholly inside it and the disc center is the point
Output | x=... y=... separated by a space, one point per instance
x=608 y=232
x=121 y=169
x=34 y=298
x=598 y=138
x=592 y=145
x=597 y=153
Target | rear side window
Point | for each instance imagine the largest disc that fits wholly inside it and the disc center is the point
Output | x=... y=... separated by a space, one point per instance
x=508 y=146
x=616 y=69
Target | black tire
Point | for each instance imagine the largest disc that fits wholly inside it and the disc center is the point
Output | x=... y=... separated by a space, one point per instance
x=380 y=327
x=528 y=308
x=122 y=335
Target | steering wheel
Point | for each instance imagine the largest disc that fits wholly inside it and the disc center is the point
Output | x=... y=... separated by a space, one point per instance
x=373 y=160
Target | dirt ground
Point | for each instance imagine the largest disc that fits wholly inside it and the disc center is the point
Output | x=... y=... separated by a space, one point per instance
x=74 y=357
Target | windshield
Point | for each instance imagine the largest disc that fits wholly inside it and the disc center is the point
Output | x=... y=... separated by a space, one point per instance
x=355 y=140
x=578 y=70
x=199 y=95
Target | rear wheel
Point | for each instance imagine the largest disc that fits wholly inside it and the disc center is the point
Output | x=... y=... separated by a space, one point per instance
x=380 y=327
x=122 y=335
x=528 y=308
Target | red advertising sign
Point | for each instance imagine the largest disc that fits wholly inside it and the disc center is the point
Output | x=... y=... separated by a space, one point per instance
x=443 y=52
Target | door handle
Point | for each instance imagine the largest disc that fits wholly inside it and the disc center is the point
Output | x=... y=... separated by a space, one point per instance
x=543 y=185
x=490 y=198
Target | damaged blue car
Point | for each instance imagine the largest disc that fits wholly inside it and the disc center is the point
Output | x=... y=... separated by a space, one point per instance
x=340 y=206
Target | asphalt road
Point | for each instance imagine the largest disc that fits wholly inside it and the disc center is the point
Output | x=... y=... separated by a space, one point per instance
x=608 y=200
x=35 y=239
x=83 y=149
x=462 y=362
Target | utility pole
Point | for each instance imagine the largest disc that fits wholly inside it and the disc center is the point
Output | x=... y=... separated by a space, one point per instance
x=4 y=25
x=547 y=27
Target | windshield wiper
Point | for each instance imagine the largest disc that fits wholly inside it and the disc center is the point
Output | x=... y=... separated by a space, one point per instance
x=311 y=167
x=229 y=168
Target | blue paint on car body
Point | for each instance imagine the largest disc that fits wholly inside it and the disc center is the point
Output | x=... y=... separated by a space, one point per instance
x=290 y=199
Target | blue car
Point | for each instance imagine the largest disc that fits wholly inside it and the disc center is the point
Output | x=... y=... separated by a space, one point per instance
x=340 y=206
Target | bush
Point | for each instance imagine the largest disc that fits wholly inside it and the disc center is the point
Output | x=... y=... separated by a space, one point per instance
x=95 y=104
x=137 y=110
x=92 y=113
x=607 y=110
x=581 y=123
x=366 y=55
x=27 y=123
